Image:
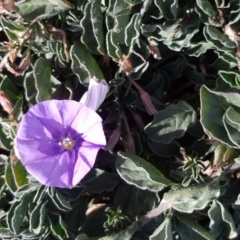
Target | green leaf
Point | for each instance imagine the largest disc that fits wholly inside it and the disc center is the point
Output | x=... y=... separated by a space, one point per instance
x=19 y=173
x=218 y=35
x=167 y=8
x=137 y=72
x=213 y=107
x=27 y=189
x=82 y=236
x=32 y=9
x=112 y=45
x=206 y=7
x=221 y=223
x=147 y=200
x=231 y=120
x=16 y=214
x=188 y=229
x=58 y=227
x=132 y=30
x=126 y=198
x=171 y=123
x=30 y=88
x=5 y=233
x=37 y=217
x=59 y=201
x=236 y=204
x=8 y=86
x=9 y=178
x=18 y=109
x=117 y=18
x=163 y=232
x=76 y=217
x=12 y=30
x=83 y=64
x=39 y=194
x=42 y=75
x=92 y=24
x=104 y=181
x=232 y=78
x=164 y=150
x=5 y=142
x=229 y=57
x=145 y=176
x=192 y=198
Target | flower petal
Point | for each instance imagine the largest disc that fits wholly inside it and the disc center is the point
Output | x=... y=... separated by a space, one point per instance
x=54 y=171
x=97 y=91
x=88 y=124
x=86 y=159
x=32 y=150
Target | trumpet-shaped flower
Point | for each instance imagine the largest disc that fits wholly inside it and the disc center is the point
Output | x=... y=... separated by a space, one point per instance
x=96 y=93
x=58 y=140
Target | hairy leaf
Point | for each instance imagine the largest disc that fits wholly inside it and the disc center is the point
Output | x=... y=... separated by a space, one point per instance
x=221 y=223
x=171 y=123
x=146 y=175
x=192 y=198
x=32 y=9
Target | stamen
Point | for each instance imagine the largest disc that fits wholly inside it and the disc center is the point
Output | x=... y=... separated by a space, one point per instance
x=67 y=143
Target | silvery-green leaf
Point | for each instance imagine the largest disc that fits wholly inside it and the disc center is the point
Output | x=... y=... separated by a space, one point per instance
x=32 y=9
x=112 y=45
x=5 y=233
x=20 y=174
x=117 y=18
x=189 y=229
x=206 y=7
x=83 y=64
x=18 y=109
x=230 y=77
x=92 y=24
x=147 y=200
x=9 y=178
x=59 y=201
x=165 y=150
x=82 y=236
x=126 y=199
x=132 y=30
x=217 y=35
x=42 y=75
x=231 y=120
x=221 y=223
x=58 y=227
x=229 y=57
x=213 y=107
x=137 y=72
x=164 y=231
x=8 y=86
x=145 y=176
x=13 y=30
x=234 y=14
x=16 y=214
x=171 y=123
x=168 y=9
x=192 y=198
x=37 y=217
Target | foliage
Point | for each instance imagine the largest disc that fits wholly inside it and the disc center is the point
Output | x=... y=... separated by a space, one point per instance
x=171 y=118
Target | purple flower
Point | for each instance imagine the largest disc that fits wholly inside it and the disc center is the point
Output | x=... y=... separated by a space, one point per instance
x=96 y=93
x=58 y=140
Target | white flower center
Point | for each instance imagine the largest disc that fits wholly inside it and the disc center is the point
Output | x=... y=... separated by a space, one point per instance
x=67 y=143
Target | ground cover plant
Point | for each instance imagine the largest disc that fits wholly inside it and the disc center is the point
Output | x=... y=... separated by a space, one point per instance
x=120 y=119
